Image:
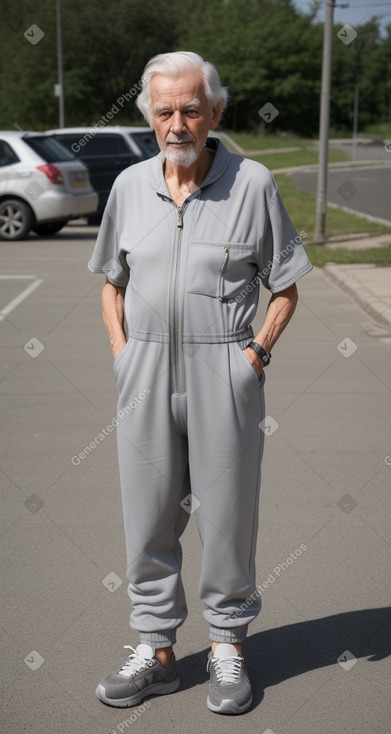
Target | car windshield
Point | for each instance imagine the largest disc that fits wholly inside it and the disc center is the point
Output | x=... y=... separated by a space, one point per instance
x=49 y=149
x=147 y=143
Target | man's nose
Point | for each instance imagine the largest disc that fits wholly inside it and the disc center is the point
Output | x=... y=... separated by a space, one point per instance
x=177 y=123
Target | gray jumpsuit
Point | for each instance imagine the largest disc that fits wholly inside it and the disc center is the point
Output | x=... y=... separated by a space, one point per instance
x=190 y=403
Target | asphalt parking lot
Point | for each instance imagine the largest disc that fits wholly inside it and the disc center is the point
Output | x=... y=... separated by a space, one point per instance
x=319 y=653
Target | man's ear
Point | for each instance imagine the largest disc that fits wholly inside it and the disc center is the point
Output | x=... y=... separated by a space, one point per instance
x=217 y=111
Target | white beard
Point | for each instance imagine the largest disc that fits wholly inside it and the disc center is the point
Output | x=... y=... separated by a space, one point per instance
x=183 y=158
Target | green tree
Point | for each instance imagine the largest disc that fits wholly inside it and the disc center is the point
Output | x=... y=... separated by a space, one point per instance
x=266 y=51
x=105 y=49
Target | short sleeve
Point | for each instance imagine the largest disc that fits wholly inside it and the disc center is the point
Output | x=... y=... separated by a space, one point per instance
x=107 y=256
x=283 y=259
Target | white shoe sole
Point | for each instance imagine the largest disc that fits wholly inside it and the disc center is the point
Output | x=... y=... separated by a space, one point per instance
x=227 y=706
x=157 y=689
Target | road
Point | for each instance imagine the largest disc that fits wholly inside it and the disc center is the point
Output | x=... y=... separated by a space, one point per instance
x=318 y=654
x=365 y=189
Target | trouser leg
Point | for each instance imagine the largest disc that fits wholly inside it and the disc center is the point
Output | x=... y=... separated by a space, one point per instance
x=153 y=464
x=225 y=407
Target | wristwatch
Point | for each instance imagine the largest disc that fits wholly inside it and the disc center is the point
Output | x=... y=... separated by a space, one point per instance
x=261 y=352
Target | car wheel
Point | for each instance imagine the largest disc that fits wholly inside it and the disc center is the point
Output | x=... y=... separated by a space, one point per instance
x=46 y=230
x=16 y=219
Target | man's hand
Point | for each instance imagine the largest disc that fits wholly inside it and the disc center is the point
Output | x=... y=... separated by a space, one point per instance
x=117 y=348
x=279 y=312
x=255 y=360
x=113 y=316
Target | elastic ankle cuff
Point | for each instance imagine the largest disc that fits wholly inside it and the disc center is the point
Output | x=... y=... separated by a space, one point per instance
x=231 y=634
x=156 y=640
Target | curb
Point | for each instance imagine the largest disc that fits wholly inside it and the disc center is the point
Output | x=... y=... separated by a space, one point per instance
x=336 y=164
x=376 y=308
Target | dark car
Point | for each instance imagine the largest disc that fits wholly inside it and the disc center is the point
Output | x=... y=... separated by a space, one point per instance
x=106 y=152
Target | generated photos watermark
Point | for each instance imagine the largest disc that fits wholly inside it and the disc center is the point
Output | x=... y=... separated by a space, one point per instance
x=347 y=347
x=104 y=432
x=34 y=34
x=278 y=571
x=268 y=112
x=110 y=114
x=124 y=725
x=34 y=660
x=33 y=347
x=347 y=660
x=265 y=272
x=112 y=581
x=347 y=34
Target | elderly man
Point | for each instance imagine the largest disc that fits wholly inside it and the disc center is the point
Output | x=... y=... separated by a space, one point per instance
x=185 y=241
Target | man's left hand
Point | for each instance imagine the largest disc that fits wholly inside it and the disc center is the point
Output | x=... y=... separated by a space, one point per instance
x=255 y=360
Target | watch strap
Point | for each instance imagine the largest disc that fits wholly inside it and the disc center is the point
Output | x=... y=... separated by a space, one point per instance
x=261 y=352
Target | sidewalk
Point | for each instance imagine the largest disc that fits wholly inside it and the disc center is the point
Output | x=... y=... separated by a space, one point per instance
x=369 y=285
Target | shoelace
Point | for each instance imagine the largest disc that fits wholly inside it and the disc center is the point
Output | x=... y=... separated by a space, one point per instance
x=227 y=669
x=134 y=663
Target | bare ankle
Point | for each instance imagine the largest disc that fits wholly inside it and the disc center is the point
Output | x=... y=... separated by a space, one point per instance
x=164 y=655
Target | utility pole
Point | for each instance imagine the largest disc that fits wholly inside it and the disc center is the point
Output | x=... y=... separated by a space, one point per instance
x=355 y=121
x=321 y=196
x=59 y=66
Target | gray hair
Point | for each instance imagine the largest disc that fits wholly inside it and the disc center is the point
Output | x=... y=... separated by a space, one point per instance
x=176 y=64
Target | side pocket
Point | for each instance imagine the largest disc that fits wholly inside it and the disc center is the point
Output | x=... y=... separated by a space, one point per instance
x=260 y=380
x=120 y=355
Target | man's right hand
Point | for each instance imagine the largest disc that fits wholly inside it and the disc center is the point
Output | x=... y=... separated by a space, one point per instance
x=113 y=315
x=117 y=348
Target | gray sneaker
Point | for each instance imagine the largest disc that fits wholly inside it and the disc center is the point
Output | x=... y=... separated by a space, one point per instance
x=141 y=676
x=230 y=688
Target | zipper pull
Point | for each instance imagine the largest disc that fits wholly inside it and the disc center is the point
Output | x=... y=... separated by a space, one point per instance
x=180 y=217
x=225 y=262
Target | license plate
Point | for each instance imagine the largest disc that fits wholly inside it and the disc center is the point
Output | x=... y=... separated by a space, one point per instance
x=78 y=178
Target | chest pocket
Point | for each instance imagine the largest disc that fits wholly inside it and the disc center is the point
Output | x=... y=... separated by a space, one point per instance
x=220 y=270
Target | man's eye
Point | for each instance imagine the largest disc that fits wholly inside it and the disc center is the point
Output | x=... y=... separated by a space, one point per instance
x=192 y=112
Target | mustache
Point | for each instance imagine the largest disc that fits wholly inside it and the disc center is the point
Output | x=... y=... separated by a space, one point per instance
x=179 y=139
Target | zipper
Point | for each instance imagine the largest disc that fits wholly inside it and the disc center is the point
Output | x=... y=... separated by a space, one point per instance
x=222 y=271
x=176 y=356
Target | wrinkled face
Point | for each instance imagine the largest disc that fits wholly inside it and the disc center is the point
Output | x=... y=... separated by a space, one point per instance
x=182 y=116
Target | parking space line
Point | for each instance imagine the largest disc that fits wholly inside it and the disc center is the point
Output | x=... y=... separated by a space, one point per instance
x=21 y=297
x=17 y=277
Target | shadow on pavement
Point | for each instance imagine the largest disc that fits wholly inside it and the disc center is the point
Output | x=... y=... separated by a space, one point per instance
x=274 y=655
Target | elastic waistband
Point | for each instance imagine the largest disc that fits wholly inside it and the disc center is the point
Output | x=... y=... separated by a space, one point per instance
x=234 y=336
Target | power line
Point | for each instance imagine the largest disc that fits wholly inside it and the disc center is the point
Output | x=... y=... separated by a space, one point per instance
x=383 y=5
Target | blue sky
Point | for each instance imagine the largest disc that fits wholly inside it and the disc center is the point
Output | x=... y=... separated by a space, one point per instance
x=358 y=12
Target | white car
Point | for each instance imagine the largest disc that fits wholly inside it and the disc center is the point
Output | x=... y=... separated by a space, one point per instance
x=42 y=185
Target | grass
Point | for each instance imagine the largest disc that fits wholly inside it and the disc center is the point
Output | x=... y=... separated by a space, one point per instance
x=320 y=255
x=303 y=157
x=306 y=155
x=381 y=130
x=301 y=204
x=301 y=208
x=251 y=141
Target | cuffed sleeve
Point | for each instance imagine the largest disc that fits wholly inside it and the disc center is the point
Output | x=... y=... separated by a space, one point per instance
x=283 y=259
x=107 y=256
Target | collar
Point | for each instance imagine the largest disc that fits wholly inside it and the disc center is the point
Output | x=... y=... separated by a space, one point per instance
x=218 y=167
